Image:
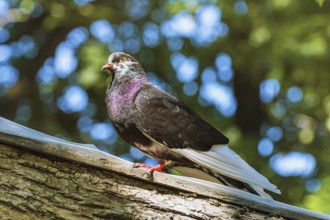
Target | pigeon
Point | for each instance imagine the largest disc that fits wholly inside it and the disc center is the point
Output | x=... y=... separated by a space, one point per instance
x=166 y=129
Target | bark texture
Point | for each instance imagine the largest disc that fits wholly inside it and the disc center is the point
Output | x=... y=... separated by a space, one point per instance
x=45 y=178
x=33 y=186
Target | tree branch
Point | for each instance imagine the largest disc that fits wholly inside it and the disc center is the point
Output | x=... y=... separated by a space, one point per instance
x=55 y=179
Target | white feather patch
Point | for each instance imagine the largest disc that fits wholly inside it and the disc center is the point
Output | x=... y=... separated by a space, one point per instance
x=223 y=160
x=195 y=173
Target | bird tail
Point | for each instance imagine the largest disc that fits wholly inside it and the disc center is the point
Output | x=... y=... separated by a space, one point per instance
x=206 y=174
x=222 y=165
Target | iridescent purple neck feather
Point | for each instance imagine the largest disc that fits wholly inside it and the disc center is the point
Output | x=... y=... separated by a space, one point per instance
x=128 y=78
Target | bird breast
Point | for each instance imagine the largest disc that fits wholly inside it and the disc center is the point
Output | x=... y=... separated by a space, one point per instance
x=119 y=100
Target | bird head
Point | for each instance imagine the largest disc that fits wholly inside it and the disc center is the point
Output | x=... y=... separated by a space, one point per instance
x=122 y=64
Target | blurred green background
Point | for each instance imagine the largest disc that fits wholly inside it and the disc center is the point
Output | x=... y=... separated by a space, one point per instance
x=256 y=70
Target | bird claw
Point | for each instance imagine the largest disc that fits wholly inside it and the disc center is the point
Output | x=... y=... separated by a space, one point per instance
x=160 y=167
x=137 y=165
x=149 y=176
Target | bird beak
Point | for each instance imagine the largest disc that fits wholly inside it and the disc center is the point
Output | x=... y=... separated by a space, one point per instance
x=107 y=66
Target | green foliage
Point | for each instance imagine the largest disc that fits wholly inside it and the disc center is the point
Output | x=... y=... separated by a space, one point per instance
x=320 y=2
x=321 y=199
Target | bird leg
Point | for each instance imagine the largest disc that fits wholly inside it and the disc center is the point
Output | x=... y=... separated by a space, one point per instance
x=136 y=165
x=160 y=167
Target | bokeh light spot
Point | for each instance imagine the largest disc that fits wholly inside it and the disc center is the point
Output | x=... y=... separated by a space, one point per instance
x=82 y=2
x=37 y=11
x=132 y=46
x=208 y=15
x=306 y=136
x=269 y=88
x=151 y=35
x=46 y=74
x=151 y=162
x=4 y=7
x=103 y=31
x=223 y=63
x=181 y=25
x=77 y=37
x=23 y=114
x=209 y=75
x=274 y=133
x=187 y=70
x=294 y=94
x=137 y=9
x=135 y=153
x=4 y=35
x=313 y=185
x=8 y=76
x=101 y=131
x=127 y=29
x=174 y=44
x=293 y=164
x=240 y=8
x=75 y=99
x=190 y=88
x=5 y=53
x=116 y=46
x=27 y=47
x=279 y=108
x=65 y=60
x=177 y=59
x=221 y=96
x=265 y=147
x=84 y=123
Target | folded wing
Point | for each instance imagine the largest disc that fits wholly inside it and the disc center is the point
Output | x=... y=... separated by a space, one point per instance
x=170 y=122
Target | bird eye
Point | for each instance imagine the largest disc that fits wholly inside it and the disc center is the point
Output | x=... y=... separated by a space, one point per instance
x=122 y=59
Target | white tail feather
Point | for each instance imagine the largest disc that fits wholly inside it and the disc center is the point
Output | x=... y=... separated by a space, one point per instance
x=261 y=192
x=196 y=173
x=223 y=160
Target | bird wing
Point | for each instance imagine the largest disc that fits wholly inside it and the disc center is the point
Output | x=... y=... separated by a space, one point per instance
x=170 y=122
x=221 y=159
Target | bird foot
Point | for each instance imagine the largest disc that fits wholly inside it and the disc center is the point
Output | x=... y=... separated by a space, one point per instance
x=160 y=167
x=137 y=165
